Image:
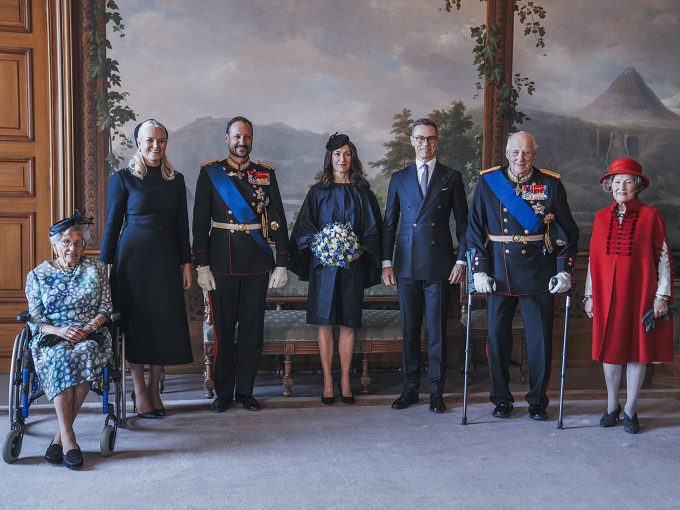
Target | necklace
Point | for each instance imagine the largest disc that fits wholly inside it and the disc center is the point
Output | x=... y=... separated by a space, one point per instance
x=68 y=271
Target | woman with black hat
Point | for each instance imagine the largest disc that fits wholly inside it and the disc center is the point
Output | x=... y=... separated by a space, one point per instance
x=336 y=294
x=630 y=271
x=69 y=300
x=151 y=263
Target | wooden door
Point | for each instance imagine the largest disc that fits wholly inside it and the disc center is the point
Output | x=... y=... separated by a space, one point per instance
x=27 y=148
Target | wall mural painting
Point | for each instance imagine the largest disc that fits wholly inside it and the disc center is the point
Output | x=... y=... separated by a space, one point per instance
x=607 y=85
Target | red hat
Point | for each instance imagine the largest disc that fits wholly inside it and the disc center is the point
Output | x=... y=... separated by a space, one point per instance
x=626 y=166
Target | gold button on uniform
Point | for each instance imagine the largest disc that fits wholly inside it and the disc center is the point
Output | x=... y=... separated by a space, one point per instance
x=526 y=231
x=505 y=230
x=507 y=251
x=433 y=224
x=253 y=204
x=505 y=220
x=431 y=242
x=414 y=224
x=504 y=209
x=229 y=212
x=524 y=252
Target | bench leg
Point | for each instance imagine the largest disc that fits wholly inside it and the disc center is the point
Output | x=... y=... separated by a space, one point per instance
x=287 y=375
x=365 y=378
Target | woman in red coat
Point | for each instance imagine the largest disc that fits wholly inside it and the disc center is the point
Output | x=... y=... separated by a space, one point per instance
x=630 y=271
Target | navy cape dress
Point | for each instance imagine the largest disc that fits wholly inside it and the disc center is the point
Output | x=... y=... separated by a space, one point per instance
x=336 y=295
x=146 y=277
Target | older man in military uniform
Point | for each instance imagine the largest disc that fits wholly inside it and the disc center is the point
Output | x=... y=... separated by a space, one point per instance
x=238 y=206
x=525 y=240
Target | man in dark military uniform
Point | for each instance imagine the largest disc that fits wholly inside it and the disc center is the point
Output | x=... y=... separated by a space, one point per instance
x=525 y=239
x=237 y=207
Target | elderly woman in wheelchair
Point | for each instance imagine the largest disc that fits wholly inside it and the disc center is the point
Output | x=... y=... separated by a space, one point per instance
x=69 y=301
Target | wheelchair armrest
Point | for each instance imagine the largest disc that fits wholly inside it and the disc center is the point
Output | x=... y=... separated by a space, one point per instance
x=115 y=316
x=23 y=316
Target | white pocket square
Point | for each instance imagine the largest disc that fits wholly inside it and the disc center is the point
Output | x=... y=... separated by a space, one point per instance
x=444 y=189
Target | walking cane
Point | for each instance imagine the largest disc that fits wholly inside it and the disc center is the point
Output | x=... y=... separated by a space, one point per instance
x=564 y=349
x=471 y=289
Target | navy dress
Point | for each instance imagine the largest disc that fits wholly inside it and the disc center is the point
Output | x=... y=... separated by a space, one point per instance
x=146 y=277
x=336 y=295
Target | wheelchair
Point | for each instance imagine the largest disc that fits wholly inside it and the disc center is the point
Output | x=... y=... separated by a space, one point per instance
x=25 y=389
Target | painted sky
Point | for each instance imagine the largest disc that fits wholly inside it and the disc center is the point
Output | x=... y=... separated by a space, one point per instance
x=350 y=65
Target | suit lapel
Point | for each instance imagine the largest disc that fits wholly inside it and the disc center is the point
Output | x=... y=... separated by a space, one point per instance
x=439 y=179
x=411 y=184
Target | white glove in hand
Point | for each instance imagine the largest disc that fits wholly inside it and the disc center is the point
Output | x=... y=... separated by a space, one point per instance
x=205 y=278
x=278 y=278
x=563 y=283
x=483 y=283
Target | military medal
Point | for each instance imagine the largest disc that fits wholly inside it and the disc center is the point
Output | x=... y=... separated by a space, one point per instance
x=238 y=174
x=538 y=208
x=258 y=178
x=534 y=192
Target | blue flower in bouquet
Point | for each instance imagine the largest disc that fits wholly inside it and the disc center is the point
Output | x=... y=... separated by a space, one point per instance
x=336 y=244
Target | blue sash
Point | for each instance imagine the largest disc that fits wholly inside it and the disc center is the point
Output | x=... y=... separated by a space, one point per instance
x=239 y=207
x=510 y=199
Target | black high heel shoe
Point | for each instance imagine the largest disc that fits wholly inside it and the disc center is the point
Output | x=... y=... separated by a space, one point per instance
x=151 y=415
x=159 y=412
x=345 y=400
x=610 y=419
x=631 y=425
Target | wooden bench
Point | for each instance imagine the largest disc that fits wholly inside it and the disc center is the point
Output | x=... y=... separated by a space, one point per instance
x=286 y=332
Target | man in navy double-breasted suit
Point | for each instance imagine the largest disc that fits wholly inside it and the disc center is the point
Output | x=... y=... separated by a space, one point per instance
x=424 y=194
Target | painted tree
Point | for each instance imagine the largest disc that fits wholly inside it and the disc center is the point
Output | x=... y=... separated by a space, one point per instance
x=399 y=150
x=456 y=145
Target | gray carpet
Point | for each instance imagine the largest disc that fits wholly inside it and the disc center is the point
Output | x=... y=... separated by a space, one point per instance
x=362 y=456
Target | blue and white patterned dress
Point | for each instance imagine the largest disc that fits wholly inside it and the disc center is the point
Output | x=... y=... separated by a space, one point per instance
x=73 y=299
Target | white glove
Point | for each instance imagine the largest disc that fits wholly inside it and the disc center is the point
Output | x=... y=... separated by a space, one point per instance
x=484 y=284
x=563 y=282
x=205 y=278
x=278 y=278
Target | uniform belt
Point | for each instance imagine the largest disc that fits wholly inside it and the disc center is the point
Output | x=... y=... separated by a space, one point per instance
x=237 y=226
x=516 y=239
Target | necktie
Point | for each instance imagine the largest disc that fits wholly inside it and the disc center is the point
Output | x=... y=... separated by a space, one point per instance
x=423 y=180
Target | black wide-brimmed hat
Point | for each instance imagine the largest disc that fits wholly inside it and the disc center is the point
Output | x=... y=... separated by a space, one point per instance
x=336 y=141
x=77 y=218
x=142 y=123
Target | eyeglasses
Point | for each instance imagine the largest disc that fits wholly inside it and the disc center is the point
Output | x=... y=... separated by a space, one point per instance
x=422 y=139
x=66 y=244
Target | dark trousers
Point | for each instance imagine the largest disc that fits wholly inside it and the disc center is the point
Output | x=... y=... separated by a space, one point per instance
x=537 y=314
x=238 y=299
x=435 y=295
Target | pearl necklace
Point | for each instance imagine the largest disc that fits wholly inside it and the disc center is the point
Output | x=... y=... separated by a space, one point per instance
x=68 y=271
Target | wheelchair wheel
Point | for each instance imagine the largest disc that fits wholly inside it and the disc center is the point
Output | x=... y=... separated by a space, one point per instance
x=108 y=440
x=12 y=448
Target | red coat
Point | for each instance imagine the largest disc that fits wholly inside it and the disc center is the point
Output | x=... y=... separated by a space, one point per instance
x=624 y=264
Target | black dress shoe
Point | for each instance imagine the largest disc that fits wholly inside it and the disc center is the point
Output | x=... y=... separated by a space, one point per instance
x=54 y=454
x=249 y=402
x=408 y=396
x=159 y=412
x=147 y=416
x=610 y=419
x=345 y=400
x=631 y=425
x=537 y=412
x=220 y=404
x=503 y=408
x=437 y=403
x=73 y=459
x=329 y=401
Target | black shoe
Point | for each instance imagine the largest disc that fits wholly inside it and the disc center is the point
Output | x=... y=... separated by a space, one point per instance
x=610 y=419
x=73 y=459
x=345 y=400
x=408 y=396
x=437 y=403
x=54 y=454
x=249 y=402
x=329 y=401
x=147 y=416
x=159 y=412
x=220 y=404
x=503 y=408
x=537 y=412
x=631 y=425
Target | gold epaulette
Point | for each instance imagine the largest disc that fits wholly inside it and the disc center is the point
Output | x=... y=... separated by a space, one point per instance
x=548 y=172
x=272 y=168
x=489 y=170
x=203 y=165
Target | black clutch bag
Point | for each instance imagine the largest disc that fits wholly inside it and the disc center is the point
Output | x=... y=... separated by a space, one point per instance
x=52 y=340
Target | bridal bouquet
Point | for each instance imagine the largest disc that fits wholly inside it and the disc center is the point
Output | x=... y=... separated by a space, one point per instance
x=336 y=244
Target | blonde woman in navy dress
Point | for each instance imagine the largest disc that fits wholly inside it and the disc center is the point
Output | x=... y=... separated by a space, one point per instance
x=336 y=294
x=151 y=264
